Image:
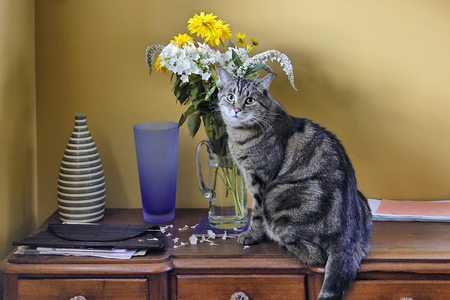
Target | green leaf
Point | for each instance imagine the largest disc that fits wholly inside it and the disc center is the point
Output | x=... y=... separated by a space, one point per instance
x=219 y=132
x=182 y=97
x=237 y=61
x=193 y=96
x=194 y=80
x=255 y=69
x=197 y=102
x=209 y=128
x=194 y=123
x=182 y=120
x=181 y=92
x=210 y=92
x=171 y=78
x=186 y=114
x=230 y=44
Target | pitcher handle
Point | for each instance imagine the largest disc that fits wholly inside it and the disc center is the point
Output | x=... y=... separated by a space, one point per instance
x=207 y=192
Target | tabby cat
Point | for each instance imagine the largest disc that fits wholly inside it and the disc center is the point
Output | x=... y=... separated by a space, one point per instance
x=302 y=181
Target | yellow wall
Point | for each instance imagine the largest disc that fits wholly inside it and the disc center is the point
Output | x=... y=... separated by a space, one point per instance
x=374 y=72
x=17 y=123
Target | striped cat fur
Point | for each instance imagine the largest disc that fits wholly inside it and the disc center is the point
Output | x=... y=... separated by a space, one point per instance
x=302 y=181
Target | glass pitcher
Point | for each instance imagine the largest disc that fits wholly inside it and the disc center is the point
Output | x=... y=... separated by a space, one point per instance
x=225 y=190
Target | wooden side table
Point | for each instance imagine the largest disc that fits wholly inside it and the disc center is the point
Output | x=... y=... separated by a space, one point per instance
x=407 y=260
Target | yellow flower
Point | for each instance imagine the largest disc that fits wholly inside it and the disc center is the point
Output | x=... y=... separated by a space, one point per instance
x=241 y=39
x=255 y=42
x=250 y=49
x=222 y=32
x=203 y=25
x=158 y=65
x=182 y=39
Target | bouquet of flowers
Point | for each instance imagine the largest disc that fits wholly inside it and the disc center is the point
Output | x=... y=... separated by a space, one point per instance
x=194 y=68
x=194 y=71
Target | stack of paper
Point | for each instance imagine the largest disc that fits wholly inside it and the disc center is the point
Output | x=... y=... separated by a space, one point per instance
x=104 y=253
x=410 y=210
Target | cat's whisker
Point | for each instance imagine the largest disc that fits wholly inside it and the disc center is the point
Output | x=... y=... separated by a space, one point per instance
x=260 y=125
x=263 y=123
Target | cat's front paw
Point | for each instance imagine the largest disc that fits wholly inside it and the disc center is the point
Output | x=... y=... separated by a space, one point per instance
x=246 y=238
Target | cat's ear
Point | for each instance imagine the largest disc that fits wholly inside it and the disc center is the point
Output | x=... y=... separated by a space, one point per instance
x=264 y=82
x=225 y=77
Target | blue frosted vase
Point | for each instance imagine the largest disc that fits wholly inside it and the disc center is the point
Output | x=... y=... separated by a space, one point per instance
x=157 y=158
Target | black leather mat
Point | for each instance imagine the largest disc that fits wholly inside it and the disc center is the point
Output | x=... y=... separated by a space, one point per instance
x=87 y=235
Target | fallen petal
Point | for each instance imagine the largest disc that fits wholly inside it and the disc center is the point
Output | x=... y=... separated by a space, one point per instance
x=193 y=239
x=211 y=234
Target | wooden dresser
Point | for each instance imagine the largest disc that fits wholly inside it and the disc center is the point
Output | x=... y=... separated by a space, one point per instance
x=407 y=260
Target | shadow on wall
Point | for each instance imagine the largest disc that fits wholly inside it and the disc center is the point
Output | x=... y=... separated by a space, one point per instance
x=17 y=154
x=394 y=155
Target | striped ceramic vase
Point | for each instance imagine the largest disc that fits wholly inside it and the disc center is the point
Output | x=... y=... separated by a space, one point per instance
x=81 y=182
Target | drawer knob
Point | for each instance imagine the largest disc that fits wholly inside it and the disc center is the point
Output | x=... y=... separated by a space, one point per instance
x=406 y=298
x=78 y=298
x=239 y=296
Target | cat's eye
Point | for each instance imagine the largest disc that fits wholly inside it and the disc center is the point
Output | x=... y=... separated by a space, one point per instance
x=230 y=98
x=250 y=101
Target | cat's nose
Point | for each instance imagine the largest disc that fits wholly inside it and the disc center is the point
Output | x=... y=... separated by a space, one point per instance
x=237 y=110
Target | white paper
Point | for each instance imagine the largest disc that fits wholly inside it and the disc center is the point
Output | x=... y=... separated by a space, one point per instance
x=104 y=253
x=375 y=203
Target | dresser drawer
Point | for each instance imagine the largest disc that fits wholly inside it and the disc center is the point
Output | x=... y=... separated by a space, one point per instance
x=65 y=289
x=222 y=287
x=398 y=289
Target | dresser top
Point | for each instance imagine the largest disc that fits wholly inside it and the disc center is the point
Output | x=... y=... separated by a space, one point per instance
x=395 y=242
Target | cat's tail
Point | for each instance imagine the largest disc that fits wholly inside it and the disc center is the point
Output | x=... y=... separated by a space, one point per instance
x=340 y=271
x=342 y=264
